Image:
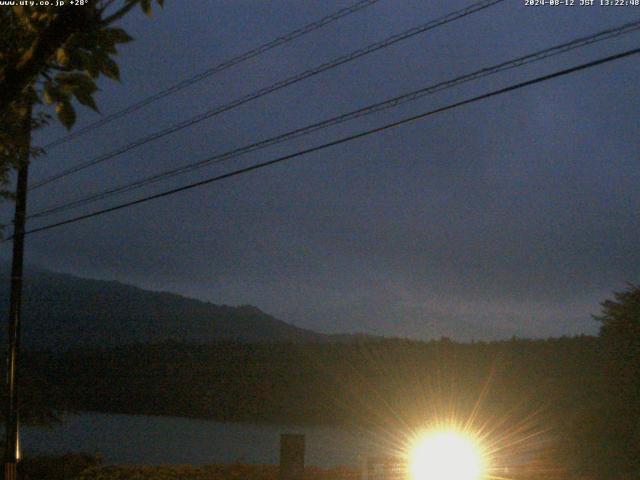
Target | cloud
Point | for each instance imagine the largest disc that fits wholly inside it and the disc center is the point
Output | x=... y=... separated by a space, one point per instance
x=512 y=216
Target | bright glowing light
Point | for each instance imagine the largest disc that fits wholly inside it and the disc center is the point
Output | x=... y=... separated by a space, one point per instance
x=446 y=455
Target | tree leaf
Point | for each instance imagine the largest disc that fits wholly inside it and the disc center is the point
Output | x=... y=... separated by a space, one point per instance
x=91 y=66
x=48 y=97
x=66 y=114
x=110 y=68
x=107 y=45
x=118 y=35
x=77 y=80
x=62 y=57
x=86 y=98
x=146 y=6
x=52 y=94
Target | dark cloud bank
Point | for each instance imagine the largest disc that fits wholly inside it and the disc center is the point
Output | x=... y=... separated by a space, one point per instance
x=516 y=215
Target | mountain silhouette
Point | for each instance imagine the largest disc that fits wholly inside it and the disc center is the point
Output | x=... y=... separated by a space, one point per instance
x=63 y=311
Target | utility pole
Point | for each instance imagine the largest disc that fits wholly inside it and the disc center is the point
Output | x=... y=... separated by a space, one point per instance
x=12 y=453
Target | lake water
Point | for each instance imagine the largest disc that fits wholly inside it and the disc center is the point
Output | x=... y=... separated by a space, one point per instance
x=172 y=440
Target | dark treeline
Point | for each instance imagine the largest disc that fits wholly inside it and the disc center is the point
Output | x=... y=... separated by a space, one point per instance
x=551 y=390
x=323 y=383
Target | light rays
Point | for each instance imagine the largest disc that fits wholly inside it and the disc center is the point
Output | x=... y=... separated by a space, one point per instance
x=396 y=391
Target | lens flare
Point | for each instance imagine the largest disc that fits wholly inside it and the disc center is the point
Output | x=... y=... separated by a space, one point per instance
x=446 y=455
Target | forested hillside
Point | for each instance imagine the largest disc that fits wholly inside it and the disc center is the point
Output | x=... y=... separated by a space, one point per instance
x=325 y=383
x=63 y=311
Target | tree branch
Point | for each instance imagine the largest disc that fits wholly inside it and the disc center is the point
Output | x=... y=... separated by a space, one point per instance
x=23 y=73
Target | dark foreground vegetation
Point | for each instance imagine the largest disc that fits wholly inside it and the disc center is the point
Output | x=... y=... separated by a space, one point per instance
x=86 y=467
x=209 y=472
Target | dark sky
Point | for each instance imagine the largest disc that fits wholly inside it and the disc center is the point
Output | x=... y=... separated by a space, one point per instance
x=516 y=215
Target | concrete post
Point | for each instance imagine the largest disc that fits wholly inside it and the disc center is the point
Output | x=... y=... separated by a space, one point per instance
x=292 y=447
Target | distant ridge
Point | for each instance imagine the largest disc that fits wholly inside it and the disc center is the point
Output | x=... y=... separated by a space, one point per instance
x=63 y=311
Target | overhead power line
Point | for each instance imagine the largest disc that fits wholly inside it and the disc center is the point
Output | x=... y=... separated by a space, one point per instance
x=342 y=140
x=476 y=7
x=265 y=47
x=377 y=107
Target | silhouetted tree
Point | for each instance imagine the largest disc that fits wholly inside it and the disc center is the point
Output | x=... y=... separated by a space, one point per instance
x=618 y=424
x=620 y=334
x=51 y=55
